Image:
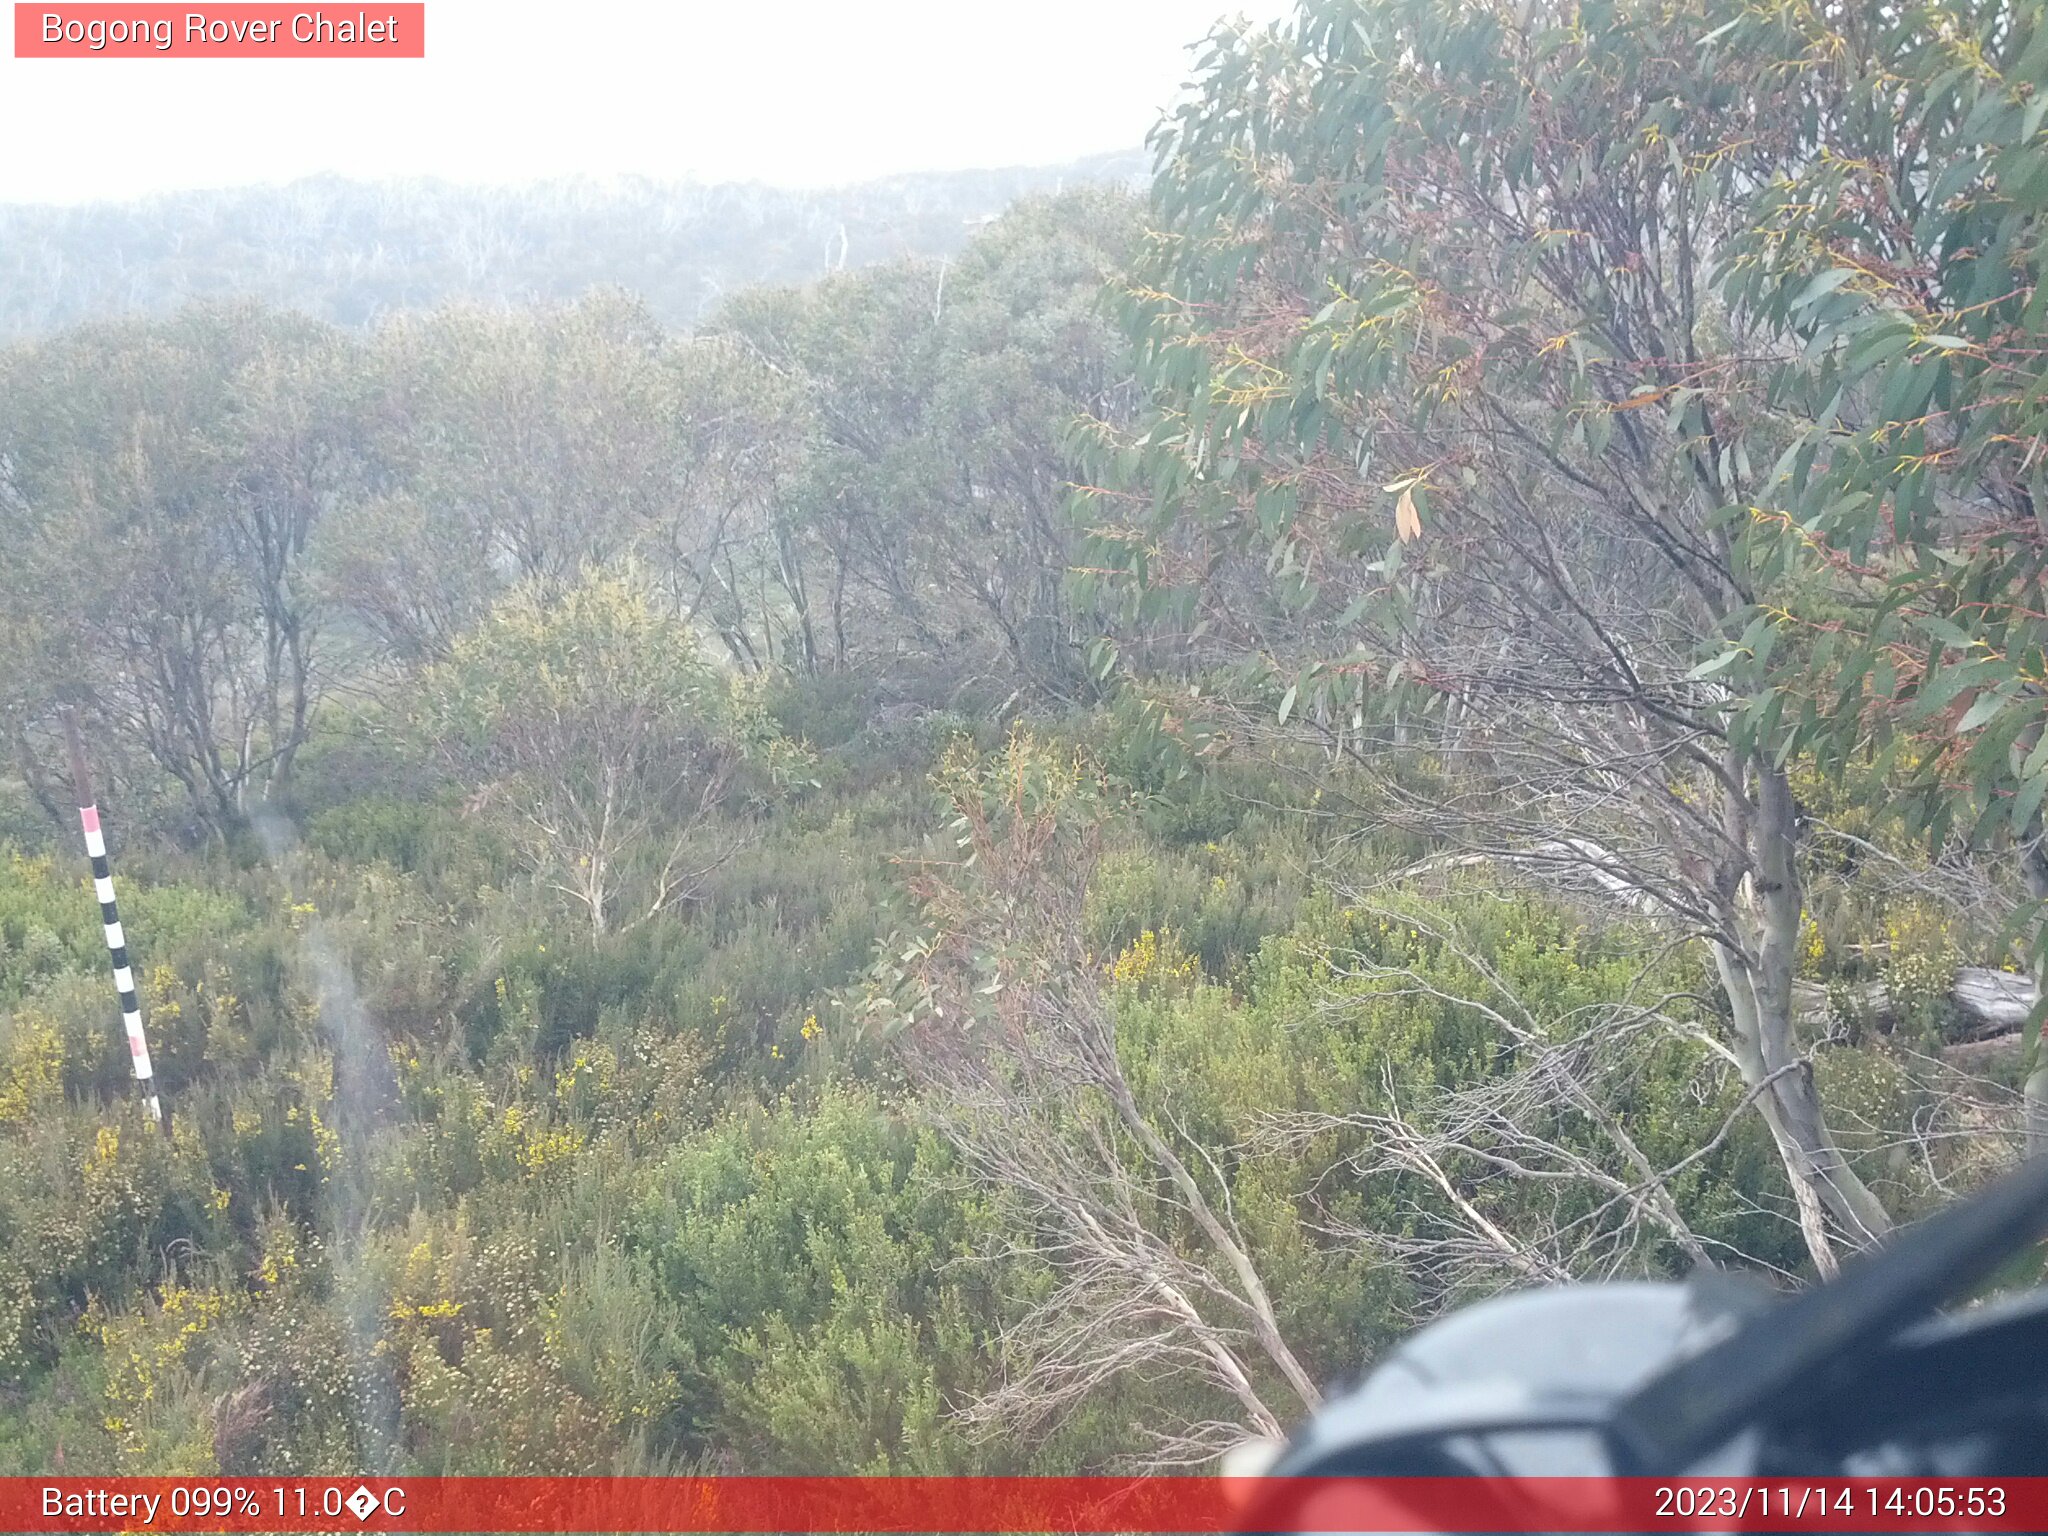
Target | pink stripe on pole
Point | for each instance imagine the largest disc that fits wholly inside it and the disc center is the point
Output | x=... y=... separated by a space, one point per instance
x=90 y=815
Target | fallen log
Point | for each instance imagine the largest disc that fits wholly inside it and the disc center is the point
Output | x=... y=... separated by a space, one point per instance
x=1984 y=1004
x=1982 y=1055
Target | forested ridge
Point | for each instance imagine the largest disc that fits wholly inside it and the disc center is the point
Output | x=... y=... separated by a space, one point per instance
x=348 y=251
x=1016 y=861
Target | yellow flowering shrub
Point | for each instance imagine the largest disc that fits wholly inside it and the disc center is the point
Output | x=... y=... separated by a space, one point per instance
x=1921 y=955
x=1154 y=960
x=31 y=1066
x=149 y=1353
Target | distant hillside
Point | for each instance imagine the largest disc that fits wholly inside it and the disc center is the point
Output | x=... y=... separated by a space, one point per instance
x=348 y=251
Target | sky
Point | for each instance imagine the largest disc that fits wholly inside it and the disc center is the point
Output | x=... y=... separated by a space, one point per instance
x=794 y=92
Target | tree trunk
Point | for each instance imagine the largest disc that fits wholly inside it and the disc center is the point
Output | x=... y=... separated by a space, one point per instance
x=1757 y=975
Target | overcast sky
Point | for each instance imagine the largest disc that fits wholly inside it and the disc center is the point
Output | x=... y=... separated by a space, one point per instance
x=799 y=92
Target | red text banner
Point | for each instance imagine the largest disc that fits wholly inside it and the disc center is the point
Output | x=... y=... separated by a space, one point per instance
x=985 y=1504
x=225 y=31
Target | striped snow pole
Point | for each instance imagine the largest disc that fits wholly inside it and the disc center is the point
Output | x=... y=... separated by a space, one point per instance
x=117 y=941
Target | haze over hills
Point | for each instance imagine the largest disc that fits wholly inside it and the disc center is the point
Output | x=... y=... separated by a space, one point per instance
x=347 y=251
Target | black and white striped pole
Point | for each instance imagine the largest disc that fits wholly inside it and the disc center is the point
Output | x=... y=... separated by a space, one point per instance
x=117 y=941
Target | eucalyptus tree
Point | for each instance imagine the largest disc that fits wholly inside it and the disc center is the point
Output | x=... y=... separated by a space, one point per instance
x=858 y=350
x=731 y=548
x=1901 y=249
x=934 y=396
x=514 y=446
x=1027 y=349
x=1447 y=419
x=166 y=480
x=585 y=723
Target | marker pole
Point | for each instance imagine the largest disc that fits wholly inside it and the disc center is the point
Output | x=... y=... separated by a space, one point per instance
x=117 y=941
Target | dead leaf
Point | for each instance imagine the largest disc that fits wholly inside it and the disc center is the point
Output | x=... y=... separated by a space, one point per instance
x=1407 y=523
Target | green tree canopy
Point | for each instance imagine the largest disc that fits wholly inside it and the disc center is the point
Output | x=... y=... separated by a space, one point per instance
x=597 y=736
x=1468 y=385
